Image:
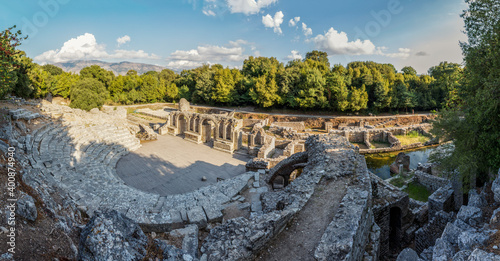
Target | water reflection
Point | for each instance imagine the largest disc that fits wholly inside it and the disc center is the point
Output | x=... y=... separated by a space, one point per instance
x=379 y=163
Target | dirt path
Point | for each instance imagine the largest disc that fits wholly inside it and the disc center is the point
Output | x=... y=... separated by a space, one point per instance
x=299 y=239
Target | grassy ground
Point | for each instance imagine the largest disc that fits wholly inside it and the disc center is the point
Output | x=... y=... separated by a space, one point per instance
x=398 y=182
x=417 y=191
x=376 y=144
x=412 y=137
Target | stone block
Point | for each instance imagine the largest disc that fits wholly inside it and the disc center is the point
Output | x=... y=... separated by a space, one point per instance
x=197 y=216
x=407 y=254
x=495 y=187
x=441 y=200
x=461 y=255
x=213 y=213
x=442 y=251
x=468 y=240
x=476 y=200
x=451 y=233
x=470 y=215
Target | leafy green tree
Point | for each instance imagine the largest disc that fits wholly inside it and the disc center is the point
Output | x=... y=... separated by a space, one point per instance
x=474 y=122
x=61 y=84
x=172 y=92
x=184 y=92
x=96 y=72
x=358 y=99
x=88 y=93
x=447 y=82
x=52 y=69
x=409 y=70
x=223 y=89
x=131 y=72
x=318 y=56
x=151 y=89
x=9 y=41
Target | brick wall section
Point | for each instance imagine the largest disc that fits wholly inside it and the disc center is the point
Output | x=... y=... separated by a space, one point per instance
x=427 y=235
x=441 y=200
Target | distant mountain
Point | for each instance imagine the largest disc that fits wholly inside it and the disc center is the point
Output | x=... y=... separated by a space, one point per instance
x=120 y=68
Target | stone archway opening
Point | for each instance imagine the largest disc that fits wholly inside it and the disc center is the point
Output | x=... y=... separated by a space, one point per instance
x=208 y=131
x=295 y=174
x=395 y=229
x=182 y=124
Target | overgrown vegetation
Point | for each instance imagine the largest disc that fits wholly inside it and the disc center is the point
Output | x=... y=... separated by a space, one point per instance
x=412 y=137
x=417 y=191
x=472 y=120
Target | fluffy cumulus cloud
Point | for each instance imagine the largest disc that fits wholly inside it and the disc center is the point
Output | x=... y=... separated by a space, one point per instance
x=293 y=22
x=122 y=40
x=402 y=53
x=306 y=30
x=274 y=22
x=234 y=52
x=294 y=55
x=248 y=7
x=334 y=43
x=86 y=47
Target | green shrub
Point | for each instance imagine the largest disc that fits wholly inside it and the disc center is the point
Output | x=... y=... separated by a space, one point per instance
x=88 y=93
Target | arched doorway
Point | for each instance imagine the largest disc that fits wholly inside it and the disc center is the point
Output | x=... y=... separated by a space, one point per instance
x=208 y=131
x=395 y=229
x=182 y=121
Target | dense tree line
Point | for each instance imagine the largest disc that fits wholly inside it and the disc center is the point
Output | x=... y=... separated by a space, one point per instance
x=308 y=84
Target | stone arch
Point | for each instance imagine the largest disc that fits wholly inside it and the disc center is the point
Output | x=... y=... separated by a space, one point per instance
x=395 y=228
x=208 y=129
x=221 y=130
x=182 y=123
x=229 y=132
x=285 y=167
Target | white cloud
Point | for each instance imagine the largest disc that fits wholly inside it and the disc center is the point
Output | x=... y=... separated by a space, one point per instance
x=307 y=31
x=86 y=47
x=122 y=40
x=294 y=55
x=275 y=22
x=209 y=12
x=293 y=22
x=248 y=7
x=402 y=53
x=209 y=54
x=334 y=42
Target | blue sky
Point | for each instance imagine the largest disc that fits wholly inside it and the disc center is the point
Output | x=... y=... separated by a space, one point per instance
x=182 y=34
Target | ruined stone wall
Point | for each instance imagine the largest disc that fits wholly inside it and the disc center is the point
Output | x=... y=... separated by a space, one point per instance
x=431 y=182
x=267 y=148
x=297 y=126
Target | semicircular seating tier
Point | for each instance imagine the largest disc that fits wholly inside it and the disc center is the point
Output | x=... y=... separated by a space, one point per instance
x=79 y=152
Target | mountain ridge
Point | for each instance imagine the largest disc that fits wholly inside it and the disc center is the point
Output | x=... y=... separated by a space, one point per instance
x=118 y=68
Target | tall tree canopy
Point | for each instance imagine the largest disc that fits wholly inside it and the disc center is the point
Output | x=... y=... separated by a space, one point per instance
x=474 y=122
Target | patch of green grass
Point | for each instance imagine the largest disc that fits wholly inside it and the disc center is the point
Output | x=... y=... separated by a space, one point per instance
x=266 y=128
x=377 y=144
x=418 y=192
x=412 y=137
x=398 y=182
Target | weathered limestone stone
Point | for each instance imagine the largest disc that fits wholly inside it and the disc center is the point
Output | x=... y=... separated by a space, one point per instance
x=112 y=236
x=476 y=200
x=470 y=215
x=441 y=200
x=480 y=255
x=442 y=251
x=451 y=233
x=26 y=207
x=461 y=255
x=495 y=187
x=184 y=105
x=495 y=217
x=408 y=254
x=190 y=239
x=197 y=216
x=468 y=240
x=171 y=253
